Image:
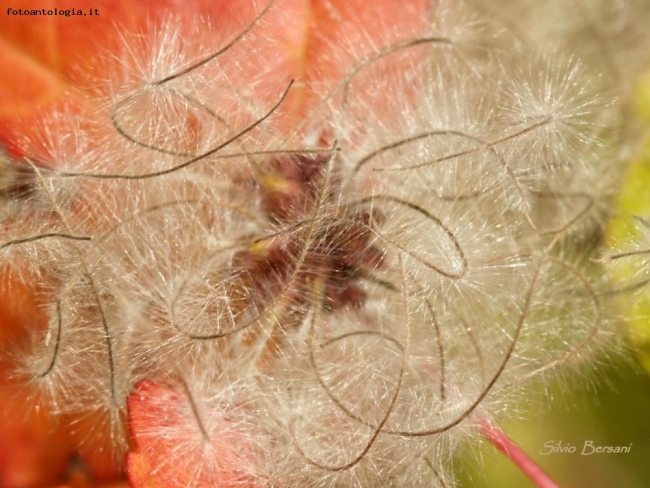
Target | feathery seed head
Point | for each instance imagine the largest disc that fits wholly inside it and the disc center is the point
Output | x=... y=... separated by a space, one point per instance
x=335 y=313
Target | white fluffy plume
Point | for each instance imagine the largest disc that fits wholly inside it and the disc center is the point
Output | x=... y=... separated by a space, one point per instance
x=341 y=294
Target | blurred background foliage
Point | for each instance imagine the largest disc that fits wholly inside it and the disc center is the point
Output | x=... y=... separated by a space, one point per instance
x=612 y=412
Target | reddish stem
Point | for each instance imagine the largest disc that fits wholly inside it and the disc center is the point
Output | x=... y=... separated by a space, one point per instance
x=513 y=452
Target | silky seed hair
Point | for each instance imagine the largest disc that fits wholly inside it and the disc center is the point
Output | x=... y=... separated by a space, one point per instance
x=338 y=299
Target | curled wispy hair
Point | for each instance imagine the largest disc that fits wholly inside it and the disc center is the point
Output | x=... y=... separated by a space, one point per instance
x=343 y=298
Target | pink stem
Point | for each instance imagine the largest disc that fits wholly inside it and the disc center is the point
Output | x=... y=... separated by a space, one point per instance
x=513 y=452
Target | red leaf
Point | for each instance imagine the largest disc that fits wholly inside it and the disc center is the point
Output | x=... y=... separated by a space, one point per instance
x=172 y=448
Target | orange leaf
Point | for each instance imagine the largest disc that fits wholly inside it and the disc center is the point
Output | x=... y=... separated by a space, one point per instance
x=32 y=451
x=46 y=58
x=175 y=448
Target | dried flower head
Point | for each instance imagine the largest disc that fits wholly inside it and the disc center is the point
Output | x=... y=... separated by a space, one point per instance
x=328 y=296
